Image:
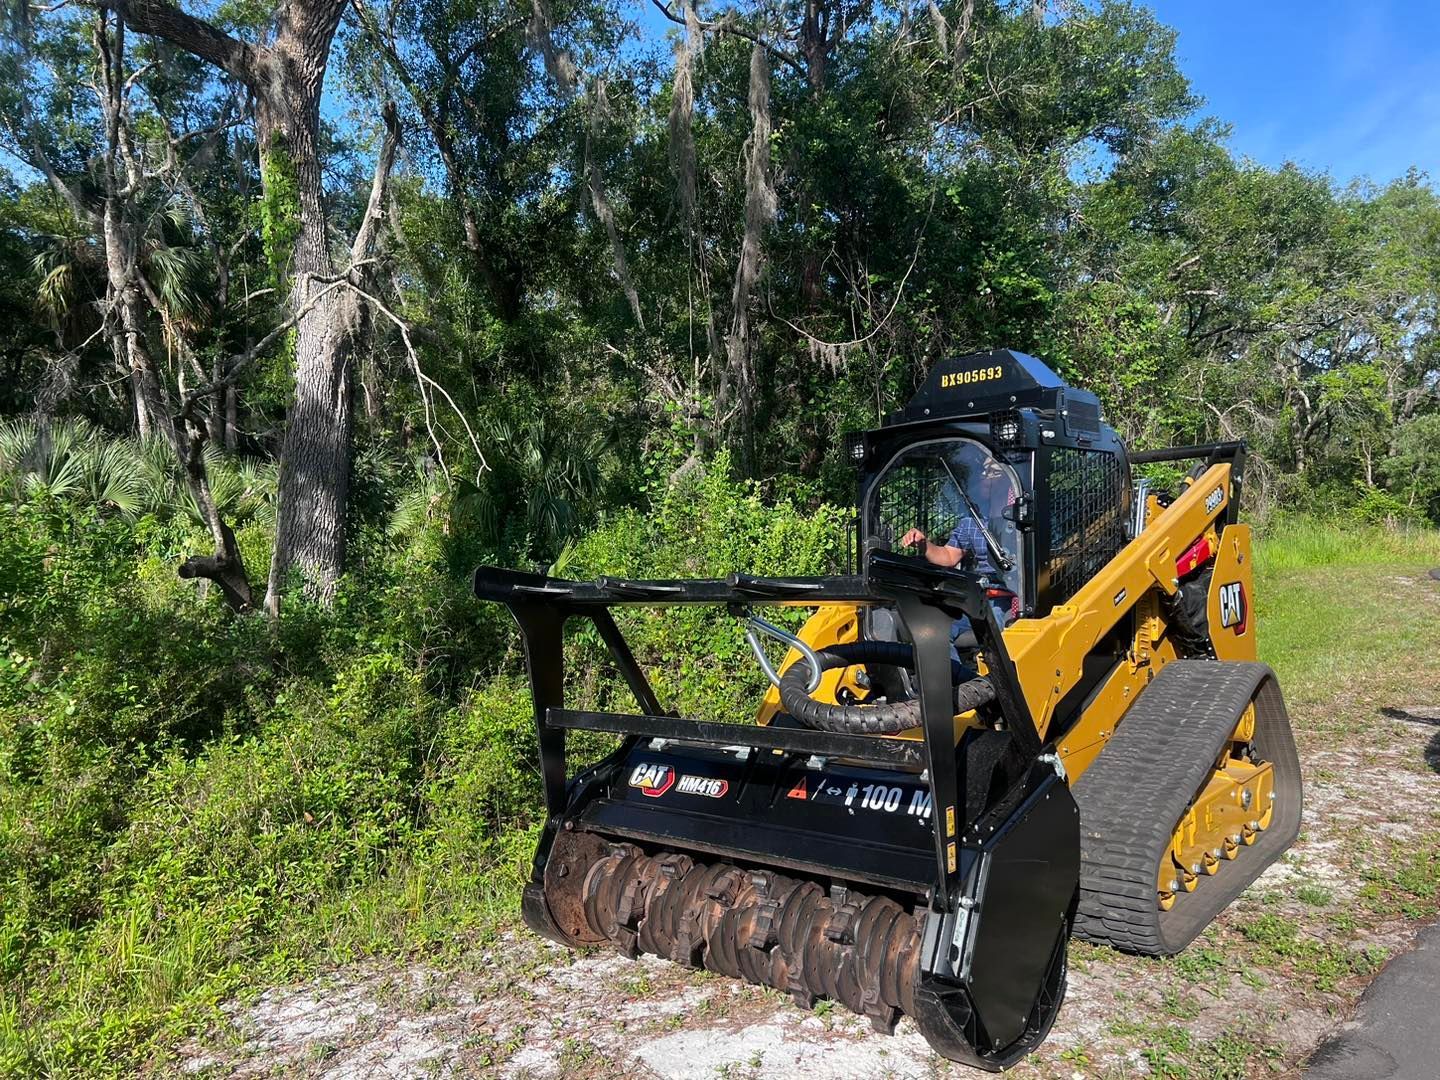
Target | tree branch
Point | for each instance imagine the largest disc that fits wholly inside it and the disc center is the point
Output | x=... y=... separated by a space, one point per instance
x=206 y=41
x=899 y=292
x=35 y=156
x=241 y=360
x=726 y=25
x=422 y=379
x=375 y=208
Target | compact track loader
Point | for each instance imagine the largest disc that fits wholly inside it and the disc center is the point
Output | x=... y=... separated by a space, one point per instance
x=1052 y=724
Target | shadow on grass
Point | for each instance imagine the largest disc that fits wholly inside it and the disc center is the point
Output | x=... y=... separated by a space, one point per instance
x=1412 y=717
x=1427 y=715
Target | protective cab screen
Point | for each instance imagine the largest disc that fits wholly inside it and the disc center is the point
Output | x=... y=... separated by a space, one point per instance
x=956 y=492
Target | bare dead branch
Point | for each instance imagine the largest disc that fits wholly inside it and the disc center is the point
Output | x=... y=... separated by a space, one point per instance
x=424 y=380
x=375 y=207
x=895 y=303
x=240 y=361
x=34 y=154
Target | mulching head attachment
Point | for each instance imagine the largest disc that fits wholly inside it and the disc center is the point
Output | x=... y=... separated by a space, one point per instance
x=898 y=877
x=983 y=986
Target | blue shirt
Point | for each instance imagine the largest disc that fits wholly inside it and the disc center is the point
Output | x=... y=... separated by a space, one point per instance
x=967 y=535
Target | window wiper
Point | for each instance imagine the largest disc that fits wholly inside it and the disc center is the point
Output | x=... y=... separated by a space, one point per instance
x=1002 y=557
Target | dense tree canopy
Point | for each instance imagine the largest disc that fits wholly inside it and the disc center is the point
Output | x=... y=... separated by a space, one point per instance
x=594 y=249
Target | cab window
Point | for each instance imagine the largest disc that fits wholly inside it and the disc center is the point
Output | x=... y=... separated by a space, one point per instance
x=955 y=491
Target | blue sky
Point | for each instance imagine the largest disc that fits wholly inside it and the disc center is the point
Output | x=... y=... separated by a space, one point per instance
x=1350 y=88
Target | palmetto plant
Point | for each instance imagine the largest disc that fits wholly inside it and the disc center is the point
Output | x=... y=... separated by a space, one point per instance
x=69 y=460
x=541 y=475
x=417 y=506
x=71 y=269
x=73 y=461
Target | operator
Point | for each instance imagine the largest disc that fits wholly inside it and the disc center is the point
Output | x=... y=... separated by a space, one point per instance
x=967 y=542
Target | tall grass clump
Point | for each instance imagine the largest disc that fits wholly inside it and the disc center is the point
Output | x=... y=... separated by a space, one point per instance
x=1295 y=541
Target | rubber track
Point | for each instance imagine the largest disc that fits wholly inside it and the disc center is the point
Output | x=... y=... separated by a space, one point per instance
x=1132 y=796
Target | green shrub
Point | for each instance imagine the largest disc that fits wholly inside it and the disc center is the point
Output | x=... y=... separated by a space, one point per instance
x=708 y=526
x=192 y=802
x=1376 y=506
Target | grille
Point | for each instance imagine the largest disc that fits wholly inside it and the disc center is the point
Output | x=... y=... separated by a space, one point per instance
x=1088 y=496
x=1083 y=417
x=1006 y=428
x=910 y=497
x=854 y=445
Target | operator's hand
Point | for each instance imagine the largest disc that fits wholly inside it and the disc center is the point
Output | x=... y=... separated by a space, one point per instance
x=914 y=537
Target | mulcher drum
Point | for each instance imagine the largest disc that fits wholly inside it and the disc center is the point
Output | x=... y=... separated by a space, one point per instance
x=673 y=851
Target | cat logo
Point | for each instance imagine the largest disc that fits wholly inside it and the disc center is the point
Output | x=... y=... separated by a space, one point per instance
x=652 y=780
x=1232 y=607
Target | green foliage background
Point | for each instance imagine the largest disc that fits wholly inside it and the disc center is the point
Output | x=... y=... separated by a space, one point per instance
x=193 y=804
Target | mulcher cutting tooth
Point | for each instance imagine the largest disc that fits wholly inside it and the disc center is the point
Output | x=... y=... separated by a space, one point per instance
x=883 y=1021
x=763 y=933
x=840 y=928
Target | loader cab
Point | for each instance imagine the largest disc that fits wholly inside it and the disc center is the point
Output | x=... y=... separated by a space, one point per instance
x=998 y=438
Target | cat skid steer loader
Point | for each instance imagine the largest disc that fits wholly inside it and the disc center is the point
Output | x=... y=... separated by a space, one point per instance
x=957 y=766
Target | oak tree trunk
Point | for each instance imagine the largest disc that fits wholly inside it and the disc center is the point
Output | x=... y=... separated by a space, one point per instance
x=287 y=77
x=314 y=477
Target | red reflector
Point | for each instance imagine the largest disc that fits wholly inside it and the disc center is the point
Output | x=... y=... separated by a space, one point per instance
x=1198 y=554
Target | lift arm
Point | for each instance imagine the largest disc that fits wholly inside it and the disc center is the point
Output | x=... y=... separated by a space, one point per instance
x=1049 y=653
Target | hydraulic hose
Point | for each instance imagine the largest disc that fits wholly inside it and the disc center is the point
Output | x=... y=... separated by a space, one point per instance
x=889 y=718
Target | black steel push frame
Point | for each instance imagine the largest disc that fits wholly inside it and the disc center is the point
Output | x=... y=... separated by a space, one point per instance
x=926 y=599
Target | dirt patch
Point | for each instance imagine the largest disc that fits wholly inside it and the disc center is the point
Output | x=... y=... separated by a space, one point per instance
x=591 y=1016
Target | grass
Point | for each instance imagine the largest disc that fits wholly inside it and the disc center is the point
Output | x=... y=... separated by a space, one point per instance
x=1314 y=895
x=1301 y=543
x=1335 y=624
x=1280 y=943
x=1171 y=1051
x=1336 y=620
x=1201 y=966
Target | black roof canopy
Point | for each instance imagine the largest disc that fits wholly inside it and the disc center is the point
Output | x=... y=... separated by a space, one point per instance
x=981 y=382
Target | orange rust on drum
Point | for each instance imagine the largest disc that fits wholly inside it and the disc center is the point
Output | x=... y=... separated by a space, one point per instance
x=572 y=855
x=766 y=928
